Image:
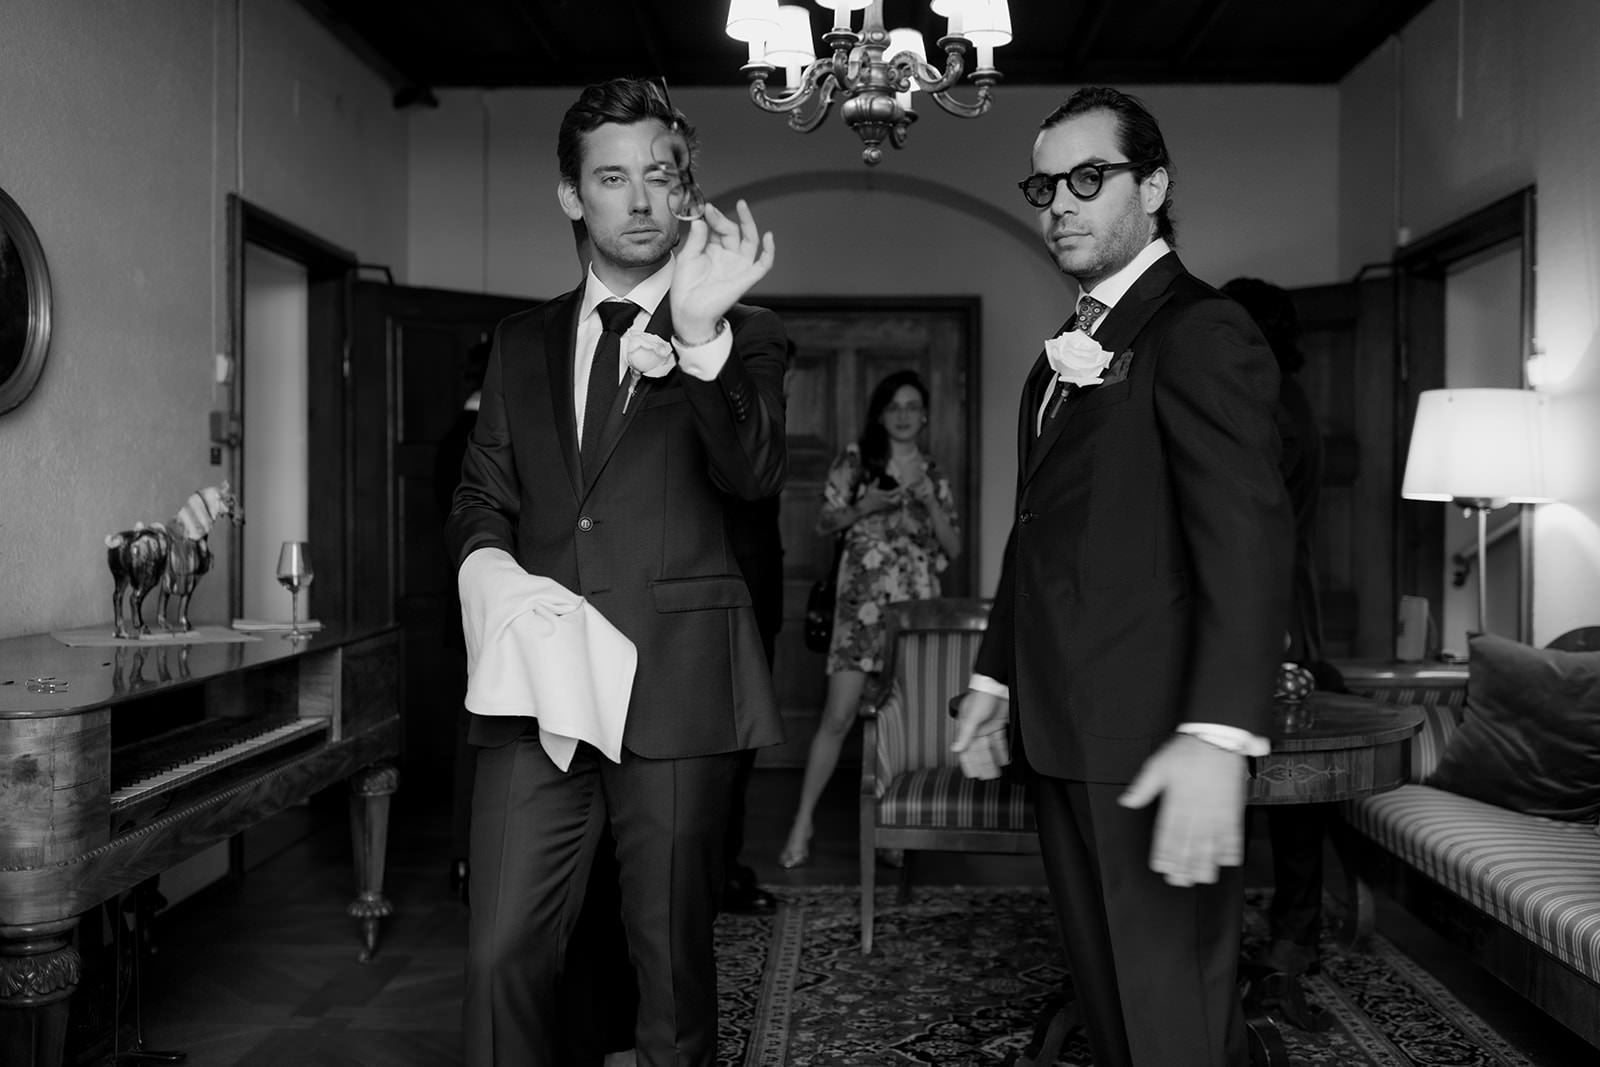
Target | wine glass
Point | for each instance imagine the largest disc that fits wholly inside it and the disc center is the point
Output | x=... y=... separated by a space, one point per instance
x=294 y=574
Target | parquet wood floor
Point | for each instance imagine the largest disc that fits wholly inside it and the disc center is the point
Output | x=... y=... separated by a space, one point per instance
x=262 y=972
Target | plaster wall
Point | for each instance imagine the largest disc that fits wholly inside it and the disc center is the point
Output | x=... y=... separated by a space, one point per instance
x=1474 y=100
x=126 y=124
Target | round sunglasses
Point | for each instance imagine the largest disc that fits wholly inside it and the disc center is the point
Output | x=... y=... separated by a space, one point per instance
x=1085 y=180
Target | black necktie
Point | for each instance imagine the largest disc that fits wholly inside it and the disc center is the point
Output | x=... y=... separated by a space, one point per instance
x=604 y=373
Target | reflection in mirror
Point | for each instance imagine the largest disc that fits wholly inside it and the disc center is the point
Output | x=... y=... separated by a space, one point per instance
x=24 y=306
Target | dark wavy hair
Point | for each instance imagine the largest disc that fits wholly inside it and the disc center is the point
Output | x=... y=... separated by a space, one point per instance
x=1272 y=308
x=623 y=101
x=874 y=441
x=1138 y=136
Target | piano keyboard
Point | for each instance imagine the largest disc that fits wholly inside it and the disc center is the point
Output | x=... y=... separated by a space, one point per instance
x=223 y=750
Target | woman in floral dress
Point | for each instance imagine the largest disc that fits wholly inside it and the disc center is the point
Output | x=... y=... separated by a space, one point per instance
x=897 y=515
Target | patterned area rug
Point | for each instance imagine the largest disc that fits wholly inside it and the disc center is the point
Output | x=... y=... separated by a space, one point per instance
x=958 y=977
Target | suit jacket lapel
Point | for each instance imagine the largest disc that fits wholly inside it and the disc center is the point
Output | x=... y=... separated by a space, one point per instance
x=1118 y=331
x=560 y=340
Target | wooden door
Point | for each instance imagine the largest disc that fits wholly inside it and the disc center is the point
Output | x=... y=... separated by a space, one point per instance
x=1347 y=335
x=844 y=348
x=408 y=354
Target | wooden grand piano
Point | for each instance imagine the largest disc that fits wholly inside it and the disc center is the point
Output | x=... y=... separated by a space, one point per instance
x=150 y=754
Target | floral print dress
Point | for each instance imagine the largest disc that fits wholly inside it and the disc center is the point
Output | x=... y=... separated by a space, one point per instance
x=889 y=555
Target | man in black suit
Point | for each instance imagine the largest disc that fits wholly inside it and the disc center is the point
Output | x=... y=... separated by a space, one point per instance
x=614 y=488
x=1137 y=625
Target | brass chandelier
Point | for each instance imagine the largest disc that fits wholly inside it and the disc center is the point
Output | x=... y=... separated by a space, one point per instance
x=876 y=70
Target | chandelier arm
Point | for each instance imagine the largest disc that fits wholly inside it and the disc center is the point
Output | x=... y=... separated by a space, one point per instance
x=964 y=110
x=817 y=75
x=824 y=95
x=907 y=65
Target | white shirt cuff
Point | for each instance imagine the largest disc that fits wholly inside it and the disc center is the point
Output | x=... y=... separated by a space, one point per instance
x=982 y=683
x=705 y=361
x=1228 y=738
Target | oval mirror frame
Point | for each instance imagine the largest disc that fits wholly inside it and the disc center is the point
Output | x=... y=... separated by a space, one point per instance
x=24 y=253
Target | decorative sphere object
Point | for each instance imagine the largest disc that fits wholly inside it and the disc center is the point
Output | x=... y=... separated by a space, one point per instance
x=1294 y=683
x=1293 y=686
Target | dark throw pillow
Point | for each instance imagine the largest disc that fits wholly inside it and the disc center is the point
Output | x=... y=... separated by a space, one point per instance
x=1530 y=740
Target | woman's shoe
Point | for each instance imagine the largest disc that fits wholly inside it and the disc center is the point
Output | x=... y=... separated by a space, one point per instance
x=794 y=856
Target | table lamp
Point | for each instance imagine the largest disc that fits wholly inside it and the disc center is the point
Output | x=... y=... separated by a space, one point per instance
x=1479 y=449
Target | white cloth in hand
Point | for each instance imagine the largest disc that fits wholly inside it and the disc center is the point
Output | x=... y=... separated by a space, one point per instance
x=536 y=648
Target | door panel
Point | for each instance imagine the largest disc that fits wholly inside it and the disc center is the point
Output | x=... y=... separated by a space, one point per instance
x=843 y=349
x=1347 y=336
x=408 y=357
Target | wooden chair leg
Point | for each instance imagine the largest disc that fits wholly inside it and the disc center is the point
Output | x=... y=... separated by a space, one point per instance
x=869 y=858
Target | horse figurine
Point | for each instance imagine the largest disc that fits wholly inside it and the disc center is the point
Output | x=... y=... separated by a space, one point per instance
x=147 y=556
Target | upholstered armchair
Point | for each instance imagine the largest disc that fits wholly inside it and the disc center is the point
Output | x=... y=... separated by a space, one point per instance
x=913 y=794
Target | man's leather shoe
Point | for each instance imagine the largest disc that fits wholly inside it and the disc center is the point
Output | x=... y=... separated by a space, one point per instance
x=741 y=895
x=1286 y=957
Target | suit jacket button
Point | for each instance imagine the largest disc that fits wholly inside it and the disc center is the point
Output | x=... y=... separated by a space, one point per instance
x=586 y=524
x=1026 y=516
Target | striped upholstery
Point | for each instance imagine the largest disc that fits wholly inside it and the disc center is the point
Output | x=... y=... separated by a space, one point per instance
x=943 y=798
x=914 y=724
x=918 y=781
x=1540 y=877
x=1442 y=707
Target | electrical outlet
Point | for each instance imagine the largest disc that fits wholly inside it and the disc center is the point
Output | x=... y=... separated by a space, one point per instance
x=216 y=455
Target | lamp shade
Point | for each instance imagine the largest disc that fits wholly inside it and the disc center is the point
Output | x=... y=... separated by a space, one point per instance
x=792 y=45
x=753 y=20
x=1478 y=444
x=987 y=23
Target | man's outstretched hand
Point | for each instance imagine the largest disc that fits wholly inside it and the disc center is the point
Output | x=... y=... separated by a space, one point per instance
x=980 y=742
x=1200 y=824
x=718 y=262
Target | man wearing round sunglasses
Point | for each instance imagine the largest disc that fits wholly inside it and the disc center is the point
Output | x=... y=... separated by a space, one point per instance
x=1129 y=659
x=615 y=421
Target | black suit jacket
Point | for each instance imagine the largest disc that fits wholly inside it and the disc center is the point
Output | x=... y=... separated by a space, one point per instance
x=643 y=535
x=1145 y=582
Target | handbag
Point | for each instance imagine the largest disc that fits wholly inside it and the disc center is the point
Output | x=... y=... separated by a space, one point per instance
x=820 y=603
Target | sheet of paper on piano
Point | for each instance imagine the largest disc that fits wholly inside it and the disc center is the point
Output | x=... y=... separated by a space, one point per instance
x=102 y=637
x=267 y=626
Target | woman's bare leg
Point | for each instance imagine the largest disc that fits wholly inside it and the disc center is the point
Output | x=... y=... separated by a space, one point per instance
x=838 y=717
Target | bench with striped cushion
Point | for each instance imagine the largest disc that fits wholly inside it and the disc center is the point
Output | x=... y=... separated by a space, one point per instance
x=1520 y=893
x=913 y=794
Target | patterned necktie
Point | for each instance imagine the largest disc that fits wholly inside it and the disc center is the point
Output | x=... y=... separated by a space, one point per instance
x=1089 y=312
x=605 y=372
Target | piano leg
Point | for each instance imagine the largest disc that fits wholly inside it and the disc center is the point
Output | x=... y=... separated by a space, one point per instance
x=39 y=969
x=370 y=790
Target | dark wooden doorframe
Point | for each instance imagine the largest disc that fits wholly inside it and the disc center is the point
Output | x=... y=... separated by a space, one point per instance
x=971 y=311
x=1420 y=270
x=329 y=270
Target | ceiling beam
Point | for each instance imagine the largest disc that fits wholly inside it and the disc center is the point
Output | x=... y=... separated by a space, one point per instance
x=404 y=89
x=531 y=14
x=650 y=30
x=1195 y=33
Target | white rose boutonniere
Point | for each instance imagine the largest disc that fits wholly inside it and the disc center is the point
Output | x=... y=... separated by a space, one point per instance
x=1077 y=358
x=648 y=355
